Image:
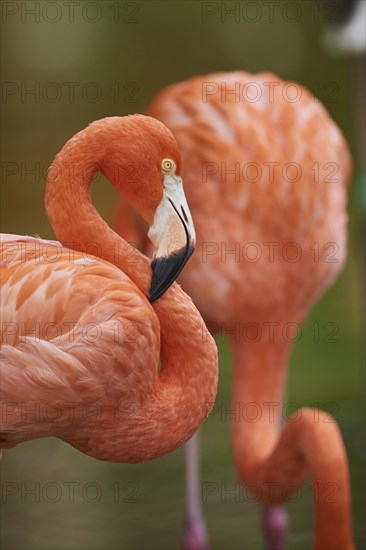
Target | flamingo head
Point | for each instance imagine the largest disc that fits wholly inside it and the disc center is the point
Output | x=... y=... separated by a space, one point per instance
x=150 y=180
x=172 y=232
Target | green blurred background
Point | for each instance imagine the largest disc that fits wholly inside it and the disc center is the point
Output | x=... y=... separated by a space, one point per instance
x=87 y=60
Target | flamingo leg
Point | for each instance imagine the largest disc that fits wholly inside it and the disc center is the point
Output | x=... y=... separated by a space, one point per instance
x=274 y=519
x=275 y=527
x=195 y=532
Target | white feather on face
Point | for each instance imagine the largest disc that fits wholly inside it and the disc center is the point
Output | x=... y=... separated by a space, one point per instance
x=172 y=227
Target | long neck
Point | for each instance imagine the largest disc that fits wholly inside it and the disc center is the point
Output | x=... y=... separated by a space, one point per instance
x=277 y=462
x=188 y=377
x=187 y=383
x=74 y=219
x=259 y=378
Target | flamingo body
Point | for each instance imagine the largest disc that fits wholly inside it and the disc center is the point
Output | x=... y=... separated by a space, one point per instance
x=78 y=333
x=269 y=187
x=266 y=177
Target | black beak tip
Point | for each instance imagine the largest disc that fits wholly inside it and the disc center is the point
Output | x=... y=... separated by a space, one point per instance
x=166 y=270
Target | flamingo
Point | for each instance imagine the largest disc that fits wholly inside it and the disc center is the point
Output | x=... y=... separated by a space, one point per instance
x=80 y=340
x=266 y=177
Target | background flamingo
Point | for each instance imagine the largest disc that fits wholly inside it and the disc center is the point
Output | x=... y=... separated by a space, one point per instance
x=218 y=131
x=142 y=414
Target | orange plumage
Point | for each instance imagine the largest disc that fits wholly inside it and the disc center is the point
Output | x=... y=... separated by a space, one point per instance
x=80 y=340
x=266 y=178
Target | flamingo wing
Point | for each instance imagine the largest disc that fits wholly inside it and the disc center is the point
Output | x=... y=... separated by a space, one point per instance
x=75 y=331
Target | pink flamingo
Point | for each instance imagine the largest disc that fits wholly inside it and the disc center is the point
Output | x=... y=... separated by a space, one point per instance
x=113 y=366
x=265 y=176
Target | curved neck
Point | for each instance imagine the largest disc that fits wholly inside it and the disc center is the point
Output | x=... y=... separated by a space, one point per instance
x=259 y=378
x=310 y=442
x=188 y=377
x=74 y=219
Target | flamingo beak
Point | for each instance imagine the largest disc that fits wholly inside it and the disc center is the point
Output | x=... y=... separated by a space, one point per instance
x=172 y=234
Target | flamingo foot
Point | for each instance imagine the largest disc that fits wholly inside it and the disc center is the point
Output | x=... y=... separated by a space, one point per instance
x=195 y=534
x=275 y=527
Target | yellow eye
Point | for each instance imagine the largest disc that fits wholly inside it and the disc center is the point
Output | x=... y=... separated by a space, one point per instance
x=168 y=165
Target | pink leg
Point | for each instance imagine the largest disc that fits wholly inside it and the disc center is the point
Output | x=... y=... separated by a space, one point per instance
x=275 y=527
x=195 y=533
x=274 y=519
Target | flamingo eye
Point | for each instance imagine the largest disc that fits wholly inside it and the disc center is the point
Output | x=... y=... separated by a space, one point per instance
x=168 y=165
